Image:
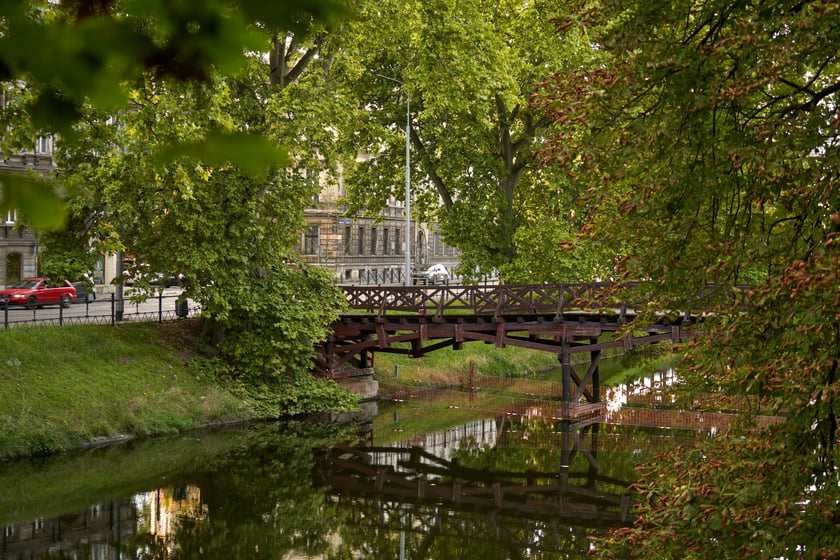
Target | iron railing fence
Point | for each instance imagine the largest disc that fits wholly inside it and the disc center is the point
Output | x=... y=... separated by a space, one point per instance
x=110 y=311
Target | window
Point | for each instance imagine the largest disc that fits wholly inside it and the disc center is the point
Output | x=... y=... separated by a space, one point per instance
x=386 y=250
x=361 y=240
x=397 y=243
x=11 y=216
x=348 y=240
x=310 y=241
x=42 y=145
x=14 y=268
x=373 y=241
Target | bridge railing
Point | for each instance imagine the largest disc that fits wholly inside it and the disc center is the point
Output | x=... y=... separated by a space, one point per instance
x=507 y=299
x=496 y=300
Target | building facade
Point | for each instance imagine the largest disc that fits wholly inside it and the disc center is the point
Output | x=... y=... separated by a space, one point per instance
x=368 y=250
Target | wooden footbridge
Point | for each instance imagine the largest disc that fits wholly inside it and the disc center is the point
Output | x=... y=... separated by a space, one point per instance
x=564 y=319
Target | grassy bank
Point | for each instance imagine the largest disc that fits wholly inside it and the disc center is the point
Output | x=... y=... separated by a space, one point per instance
x=486 y=359
x=63 y=387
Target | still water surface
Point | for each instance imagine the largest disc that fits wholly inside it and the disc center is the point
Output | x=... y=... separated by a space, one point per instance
x=407 y=481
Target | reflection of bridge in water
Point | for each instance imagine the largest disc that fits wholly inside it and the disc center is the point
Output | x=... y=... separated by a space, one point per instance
x=583 y=413
x=459 y=485
x=410 y=490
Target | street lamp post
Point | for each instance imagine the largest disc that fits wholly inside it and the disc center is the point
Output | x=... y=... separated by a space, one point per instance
x=407 y=177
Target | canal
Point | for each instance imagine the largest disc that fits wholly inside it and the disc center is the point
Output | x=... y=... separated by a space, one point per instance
x=402 y=481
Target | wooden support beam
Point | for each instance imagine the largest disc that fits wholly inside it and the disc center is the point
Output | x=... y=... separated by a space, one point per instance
x=581 y=386
x=500 y=335
x=437 y=346
x=595 y=358
x=498 y=496
x=416 y=347
x=585 y=452
x=593 y=367
x=382 y=335
x=459 y=335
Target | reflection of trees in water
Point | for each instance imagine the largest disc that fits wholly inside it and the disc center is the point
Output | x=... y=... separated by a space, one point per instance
x=256 y=493
x=379 y=529
x=261 y=501
x=259 y=498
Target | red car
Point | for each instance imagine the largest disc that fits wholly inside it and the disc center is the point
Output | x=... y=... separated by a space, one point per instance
x=35 y=292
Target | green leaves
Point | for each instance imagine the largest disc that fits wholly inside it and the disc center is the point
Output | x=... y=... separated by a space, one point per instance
x=708 y=157
x=70 y=57
x=251 y=153
x=470 y=69
x=35 y=198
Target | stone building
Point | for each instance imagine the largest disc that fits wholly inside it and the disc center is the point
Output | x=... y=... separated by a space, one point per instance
x=368 y=250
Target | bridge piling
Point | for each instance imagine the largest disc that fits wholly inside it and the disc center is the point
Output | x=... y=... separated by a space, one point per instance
x=595 y=359
x=566 y=365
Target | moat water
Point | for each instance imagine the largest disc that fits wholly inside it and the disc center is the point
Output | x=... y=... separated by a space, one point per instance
x=403 y=481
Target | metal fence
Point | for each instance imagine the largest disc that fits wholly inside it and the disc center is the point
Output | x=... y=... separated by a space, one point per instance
x=107 y=311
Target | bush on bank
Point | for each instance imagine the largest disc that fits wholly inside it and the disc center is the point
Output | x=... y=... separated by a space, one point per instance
x=64 y=387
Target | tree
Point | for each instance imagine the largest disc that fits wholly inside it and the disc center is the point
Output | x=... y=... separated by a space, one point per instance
x=186 y=176
x=468 y=69
x=58 y=58
x=707 y=140
x=232 y=233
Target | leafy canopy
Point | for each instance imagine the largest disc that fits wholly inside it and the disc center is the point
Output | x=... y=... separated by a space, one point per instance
x=58 y=58
x=467 y=69
x=178 y=178
x=707 y=142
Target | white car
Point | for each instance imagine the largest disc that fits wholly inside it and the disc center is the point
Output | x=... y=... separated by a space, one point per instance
x=434 y=274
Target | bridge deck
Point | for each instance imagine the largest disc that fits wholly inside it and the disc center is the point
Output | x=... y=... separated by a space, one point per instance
x=560 y=318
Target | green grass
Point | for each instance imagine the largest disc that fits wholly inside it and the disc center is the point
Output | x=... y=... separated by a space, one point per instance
x=486 y=359
x=61 y=387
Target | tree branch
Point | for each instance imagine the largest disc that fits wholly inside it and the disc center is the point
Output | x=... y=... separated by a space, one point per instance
x=429 y=168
